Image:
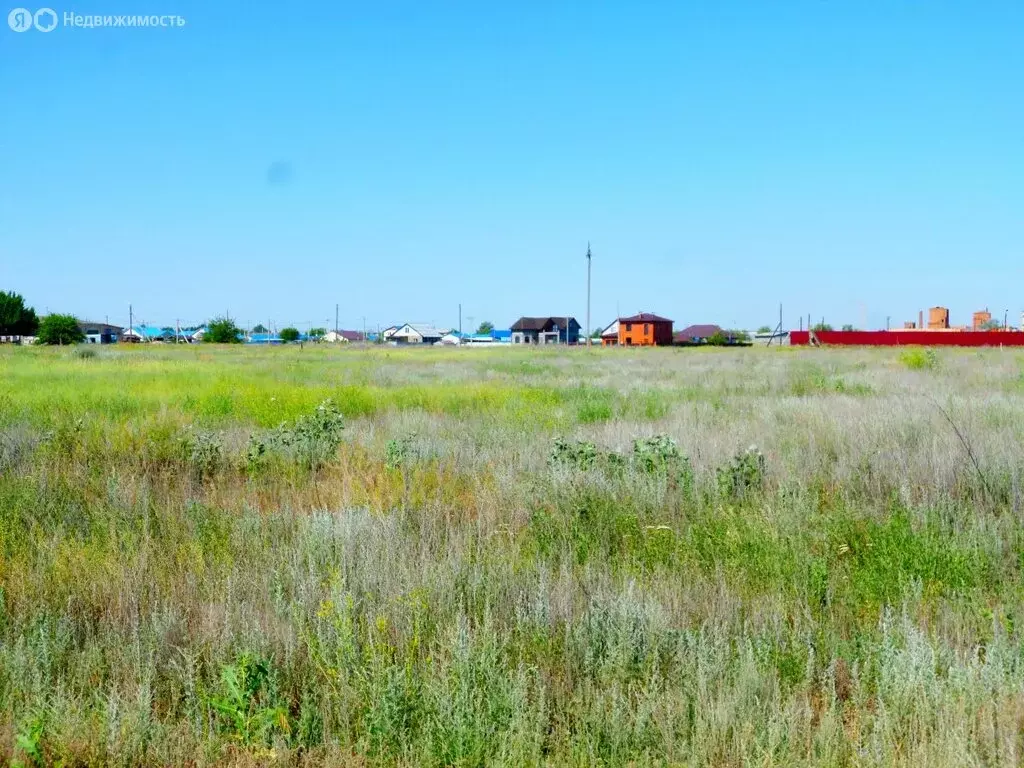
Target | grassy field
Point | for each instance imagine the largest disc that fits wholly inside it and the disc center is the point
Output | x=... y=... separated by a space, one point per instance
x=514 y=557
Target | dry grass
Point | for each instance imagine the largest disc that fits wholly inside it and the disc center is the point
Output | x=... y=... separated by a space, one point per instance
x=435 y=591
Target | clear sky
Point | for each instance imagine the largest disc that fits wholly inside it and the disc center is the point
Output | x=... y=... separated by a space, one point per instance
x=851 y=159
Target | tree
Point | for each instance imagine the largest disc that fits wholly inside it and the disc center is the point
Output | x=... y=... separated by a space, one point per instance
x=848 y=327
x=259 y=328
x=60 y=329
x=485 y=327
x=738 y=337
x=821 y=327
x=317 y=333
x=991 y=325
x=289 y=335
x=718 y=339
x=222 y=330
x=765 y=329
x=15 y=318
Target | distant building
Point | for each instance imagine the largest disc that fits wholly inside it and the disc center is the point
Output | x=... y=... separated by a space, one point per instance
x=610 y=335
x=696 y=334
x=146 y=333
x=546 y=330
x=100 y=333
x=938 y=319
x=343 y=337
x=641 y=330
x=415 y=334
x=980 y=320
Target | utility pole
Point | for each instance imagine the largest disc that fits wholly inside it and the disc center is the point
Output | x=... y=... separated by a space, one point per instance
x=1006 y=319
x=588 y=294
x=177 y=329
x=131 y=329
x=887 y=318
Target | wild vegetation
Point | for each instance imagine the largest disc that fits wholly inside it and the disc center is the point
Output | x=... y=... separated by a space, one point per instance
x=284 y=556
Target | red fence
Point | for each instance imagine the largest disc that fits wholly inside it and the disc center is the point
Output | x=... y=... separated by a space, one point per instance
x=912 y=338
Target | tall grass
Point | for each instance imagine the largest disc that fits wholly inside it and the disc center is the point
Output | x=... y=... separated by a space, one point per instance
x=198 y=566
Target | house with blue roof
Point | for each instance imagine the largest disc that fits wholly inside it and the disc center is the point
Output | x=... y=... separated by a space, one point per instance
x=139 y=333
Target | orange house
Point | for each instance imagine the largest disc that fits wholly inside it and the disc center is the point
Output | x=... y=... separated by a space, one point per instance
x=642 y=330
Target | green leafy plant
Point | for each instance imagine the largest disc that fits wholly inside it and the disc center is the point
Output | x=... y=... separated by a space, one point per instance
x=244 y=705
x=59 y=330
x=397 y=452
x=580 y=454
x=311 y=440
x=203 y=452
x=918 y=359
x=30 y=742
x=744 y=474
x=288 y=335
x=222 y=330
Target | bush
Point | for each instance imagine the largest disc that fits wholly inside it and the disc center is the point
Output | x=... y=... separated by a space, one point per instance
x=743 y=474
x=919 y=359
x=222 y=330
x=311 y=440
x=398 y=452
x=59 y=330
x=581 y=455
x=84 y=353
x=288 y=335
x=203 y=452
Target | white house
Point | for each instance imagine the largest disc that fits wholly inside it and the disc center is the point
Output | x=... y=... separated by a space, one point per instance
x=610 y=335
x=342 y=337
x=415 y=334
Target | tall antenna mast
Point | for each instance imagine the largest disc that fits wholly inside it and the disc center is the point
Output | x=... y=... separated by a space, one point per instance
x=588 y=294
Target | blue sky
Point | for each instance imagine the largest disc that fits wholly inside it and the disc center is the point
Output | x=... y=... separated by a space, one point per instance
x=852 y=160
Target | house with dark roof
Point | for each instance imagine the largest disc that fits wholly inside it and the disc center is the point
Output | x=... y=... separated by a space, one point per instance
x=99 y=333
x=644 y=329
x=343 y=337
x=546 y=330
x=697 y=334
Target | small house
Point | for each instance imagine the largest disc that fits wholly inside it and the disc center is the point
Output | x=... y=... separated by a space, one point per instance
x=645 y=329
x=546 y=330
x=139 y=333
x=343 y=337
x=99 y=333
x=610 y=335
x=415 y=334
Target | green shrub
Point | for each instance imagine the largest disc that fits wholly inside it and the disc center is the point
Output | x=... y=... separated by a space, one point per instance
x=580 y=454
x=744 y=474
x=918 y=359
x=244 y=706
x=203 y=452
x=397 y=452
x=310 y=440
